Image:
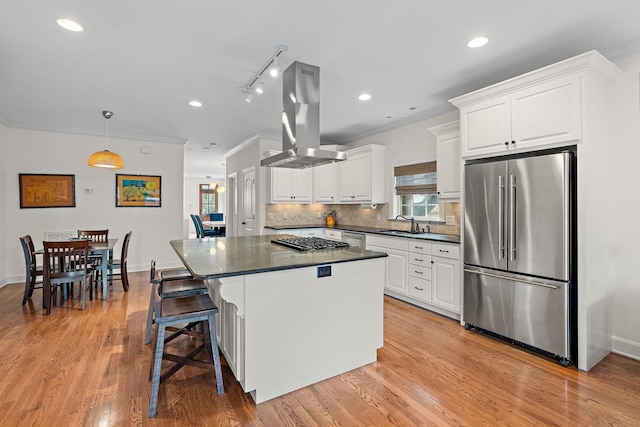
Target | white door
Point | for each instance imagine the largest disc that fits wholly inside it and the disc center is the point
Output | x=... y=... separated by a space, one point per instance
x=248 y=224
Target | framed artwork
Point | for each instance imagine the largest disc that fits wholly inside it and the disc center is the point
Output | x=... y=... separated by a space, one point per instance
x=138 y=191
x=47 y=191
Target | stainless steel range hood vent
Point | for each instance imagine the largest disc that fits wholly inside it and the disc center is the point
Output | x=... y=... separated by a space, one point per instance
x=301 y=121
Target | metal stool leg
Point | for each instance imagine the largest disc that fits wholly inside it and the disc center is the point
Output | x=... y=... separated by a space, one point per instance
x=155 y=370
x=151 y=315
x=210 y=333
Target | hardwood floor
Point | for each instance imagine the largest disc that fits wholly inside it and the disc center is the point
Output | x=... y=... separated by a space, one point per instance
x=91 y=368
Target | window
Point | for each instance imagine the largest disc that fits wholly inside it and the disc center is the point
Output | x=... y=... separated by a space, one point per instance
x=416 y=190
x=208 y=199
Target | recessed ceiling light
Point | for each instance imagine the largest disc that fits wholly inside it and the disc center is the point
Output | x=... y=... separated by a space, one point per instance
x=478 y=42
x=195 y=103
x=364 y=97
x=70 y=25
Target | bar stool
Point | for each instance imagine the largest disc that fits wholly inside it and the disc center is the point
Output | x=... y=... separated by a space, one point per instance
x=196 y=309
x=172 y=283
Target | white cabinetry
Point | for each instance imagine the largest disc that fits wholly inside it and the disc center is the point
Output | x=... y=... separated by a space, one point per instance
x=448 y=146
x=531 y=111
x=324 y=183
x=291 y=185
x=397 y=261
x=446 y=276
x=420 y=275
x=361 y=176
x=422 y=272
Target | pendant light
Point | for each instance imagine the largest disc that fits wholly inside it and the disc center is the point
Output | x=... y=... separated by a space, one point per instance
x=106 y=158
x=215 y=186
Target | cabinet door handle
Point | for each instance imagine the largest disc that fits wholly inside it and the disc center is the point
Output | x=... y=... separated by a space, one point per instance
x=420 y=289
x=513 y=142
x=419 y=247
x=418 y=259
x=506 y=143
x=417 y=272
x=443 y=251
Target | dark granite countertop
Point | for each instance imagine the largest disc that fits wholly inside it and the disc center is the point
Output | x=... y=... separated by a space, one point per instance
x=448 y=238
x=213 y=258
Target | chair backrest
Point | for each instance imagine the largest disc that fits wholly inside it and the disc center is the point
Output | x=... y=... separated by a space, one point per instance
x=216 y=217
x=95 y=235
x=152 y=272
x=123 y=260
x=198 y=224
x=28 y=250
x=65 y=261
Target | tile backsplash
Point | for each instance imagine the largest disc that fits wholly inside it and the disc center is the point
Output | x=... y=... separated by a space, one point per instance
x=279 y=214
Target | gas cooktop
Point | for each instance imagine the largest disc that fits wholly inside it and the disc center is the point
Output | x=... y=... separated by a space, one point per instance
x=309 y=243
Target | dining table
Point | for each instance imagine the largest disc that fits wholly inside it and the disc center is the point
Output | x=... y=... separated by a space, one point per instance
x=213 y=224
x=105 y=250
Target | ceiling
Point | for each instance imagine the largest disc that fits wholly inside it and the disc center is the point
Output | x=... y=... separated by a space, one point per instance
x=145 y=60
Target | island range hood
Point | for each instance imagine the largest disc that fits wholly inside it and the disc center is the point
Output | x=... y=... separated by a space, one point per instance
x=301 y=121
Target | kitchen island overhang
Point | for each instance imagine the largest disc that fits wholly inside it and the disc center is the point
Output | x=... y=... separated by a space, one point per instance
x=281 y=326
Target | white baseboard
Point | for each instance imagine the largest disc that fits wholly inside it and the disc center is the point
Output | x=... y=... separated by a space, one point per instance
x=626 y=347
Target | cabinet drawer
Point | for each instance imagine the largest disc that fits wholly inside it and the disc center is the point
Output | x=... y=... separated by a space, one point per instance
x=419 y=246
x=420 y=289
x=399 y=243
x=333 y=234
x=420 y=259
x=446 y=251
x=420 y=272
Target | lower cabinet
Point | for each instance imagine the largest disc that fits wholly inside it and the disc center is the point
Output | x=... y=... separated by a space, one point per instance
x=446 y=276
x=422 y=272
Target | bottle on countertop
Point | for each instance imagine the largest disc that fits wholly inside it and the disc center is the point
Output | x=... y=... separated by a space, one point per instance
x=331 y=218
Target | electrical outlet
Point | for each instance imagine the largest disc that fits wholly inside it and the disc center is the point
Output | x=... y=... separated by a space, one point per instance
x=451 y=220
x=285 y=215
x=377 y=217
x=319 y=215
x=271 y=216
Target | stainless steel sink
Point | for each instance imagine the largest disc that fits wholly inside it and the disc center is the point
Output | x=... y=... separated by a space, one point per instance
x=430 y=236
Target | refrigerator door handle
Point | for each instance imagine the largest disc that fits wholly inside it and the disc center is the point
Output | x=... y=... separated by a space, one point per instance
x=512 y=217
x=514 y=279
x=501 y=217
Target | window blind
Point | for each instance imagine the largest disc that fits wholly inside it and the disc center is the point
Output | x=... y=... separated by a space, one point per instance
x=419 y=178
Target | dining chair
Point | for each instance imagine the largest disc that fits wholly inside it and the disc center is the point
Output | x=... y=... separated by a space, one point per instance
x=32 y=271
x=216 y=217
x=66 y=263
x=121 y=264
x=200 y=230
x=101 y=236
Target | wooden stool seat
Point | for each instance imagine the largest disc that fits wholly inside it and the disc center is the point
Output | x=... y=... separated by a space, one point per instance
x=192 y=310
x=175 y=274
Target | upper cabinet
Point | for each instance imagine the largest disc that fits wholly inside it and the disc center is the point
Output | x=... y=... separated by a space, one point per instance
x=540 y=109
x=361 y=176
x=324 y=183
x=291 y=185
x=448 y=147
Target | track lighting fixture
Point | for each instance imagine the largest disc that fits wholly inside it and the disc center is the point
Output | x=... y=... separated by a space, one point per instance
x=256 y=85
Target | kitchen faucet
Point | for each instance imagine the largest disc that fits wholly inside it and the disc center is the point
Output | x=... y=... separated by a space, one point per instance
x=415 y=228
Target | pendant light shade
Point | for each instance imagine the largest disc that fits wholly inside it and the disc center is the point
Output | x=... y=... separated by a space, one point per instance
x=106 y=159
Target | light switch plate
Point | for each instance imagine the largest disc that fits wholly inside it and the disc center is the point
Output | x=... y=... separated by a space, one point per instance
x=451 y=220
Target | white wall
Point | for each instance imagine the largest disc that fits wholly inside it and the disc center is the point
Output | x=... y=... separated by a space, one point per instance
x=3 y=204
x=47 y=152
x=625 y=147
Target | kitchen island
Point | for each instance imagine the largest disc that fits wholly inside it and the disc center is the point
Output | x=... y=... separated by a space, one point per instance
x=289 y=318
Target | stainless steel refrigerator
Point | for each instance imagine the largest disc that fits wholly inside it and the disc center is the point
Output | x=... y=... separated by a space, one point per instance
x=519 y=244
